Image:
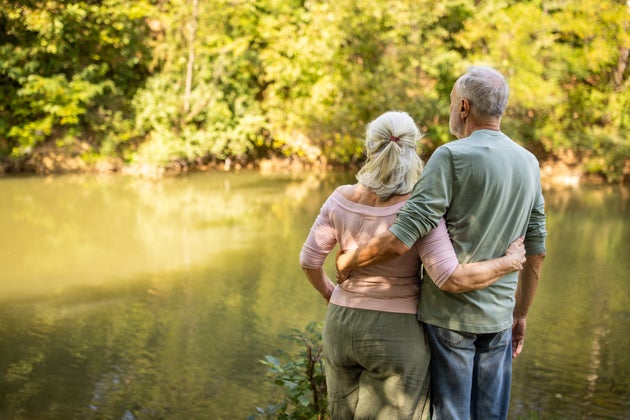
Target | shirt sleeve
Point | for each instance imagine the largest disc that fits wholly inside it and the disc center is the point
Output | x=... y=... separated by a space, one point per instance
x=536 y=227
x=429 y=200
x=321 y=239
x=437 y=254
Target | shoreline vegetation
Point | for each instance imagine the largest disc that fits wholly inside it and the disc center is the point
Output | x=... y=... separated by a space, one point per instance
x=555 y=171
x=154 y=88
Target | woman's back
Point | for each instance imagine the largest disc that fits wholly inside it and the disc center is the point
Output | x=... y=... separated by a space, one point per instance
x=350 y=216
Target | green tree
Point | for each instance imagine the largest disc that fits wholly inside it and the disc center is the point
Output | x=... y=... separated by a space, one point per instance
x=567 y=67
x=68 y=70
x=223 y=117
x=190 y=82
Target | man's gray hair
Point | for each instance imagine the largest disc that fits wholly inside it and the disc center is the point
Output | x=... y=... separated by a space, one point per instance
x=392 y=165
x=486 y=90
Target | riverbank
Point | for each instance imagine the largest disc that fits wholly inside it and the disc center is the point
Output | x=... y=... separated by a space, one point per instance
x=565 y=170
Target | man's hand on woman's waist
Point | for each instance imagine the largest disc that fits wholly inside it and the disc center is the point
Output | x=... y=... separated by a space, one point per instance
x=379 y=249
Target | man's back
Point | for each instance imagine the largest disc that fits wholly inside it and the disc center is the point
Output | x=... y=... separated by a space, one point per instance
x=488 y=188
x=496 y=185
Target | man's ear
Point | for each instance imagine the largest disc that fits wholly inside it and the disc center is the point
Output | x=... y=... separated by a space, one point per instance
x=464 y=107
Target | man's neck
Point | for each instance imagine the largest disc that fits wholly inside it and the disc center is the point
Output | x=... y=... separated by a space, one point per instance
x=472 y=126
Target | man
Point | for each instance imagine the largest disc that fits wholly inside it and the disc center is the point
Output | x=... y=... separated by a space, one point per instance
x=488 y=189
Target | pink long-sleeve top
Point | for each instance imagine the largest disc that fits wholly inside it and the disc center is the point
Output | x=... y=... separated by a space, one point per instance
x=391 y=286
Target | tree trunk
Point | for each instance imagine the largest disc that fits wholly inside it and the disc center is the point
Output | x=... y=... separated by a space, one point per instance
x=191 y=54
x=622 y=64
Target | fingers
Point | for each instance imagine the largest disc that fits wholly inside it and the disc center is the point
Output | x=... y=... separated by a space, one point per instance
x=517 y=348
x=341 y=277
x=516 y=250
x=339 y=265
x=518 y=335
x=517 y=245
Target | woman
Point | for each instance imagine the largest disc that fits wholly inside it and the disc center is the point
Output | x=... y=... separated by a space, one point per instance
x=376 y=354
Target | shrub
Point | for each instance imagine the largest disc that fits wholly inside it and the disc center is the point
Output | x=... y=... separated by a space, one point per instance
x=301 y=378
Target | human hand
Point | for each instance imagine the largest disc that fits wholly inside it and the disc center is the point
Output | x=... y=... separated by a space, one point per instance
x=518 y=336
x=328 y=291
x=341 y=264
x=516 y=254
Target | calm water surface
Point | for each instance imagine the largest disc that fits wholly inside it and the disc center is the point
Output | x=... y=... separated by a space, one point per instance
x=128 y=298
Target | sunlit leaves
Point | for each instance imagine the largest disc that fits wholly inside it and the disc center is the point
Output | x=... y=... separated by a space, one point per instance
x=302 y=78
x=67 y=67
x=566 y=68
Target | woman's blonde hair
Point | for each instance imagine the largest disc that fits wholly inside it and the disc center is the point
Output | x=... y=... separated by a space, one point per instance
x=392 y=165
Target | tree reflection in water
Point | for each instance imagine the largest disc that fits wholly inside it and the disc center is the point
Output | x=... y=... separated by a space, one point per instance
x=127 y=298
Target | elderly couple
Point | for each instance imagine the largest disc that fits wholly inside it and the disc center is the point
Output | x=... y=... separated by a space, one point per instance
x=436 y=271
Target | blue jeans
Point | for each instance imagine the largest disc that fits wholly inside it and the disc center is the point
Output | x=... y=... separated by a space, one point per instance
x=471 y=374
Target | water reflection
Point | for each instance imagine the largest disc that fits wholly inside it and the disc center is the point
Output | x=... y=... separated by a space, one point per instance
x=125 y=298
x=89 y=230
x=573 y=364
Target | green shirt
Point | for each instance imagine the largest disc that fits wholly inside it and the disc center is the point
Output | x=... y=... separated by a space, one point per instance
x=487 y=187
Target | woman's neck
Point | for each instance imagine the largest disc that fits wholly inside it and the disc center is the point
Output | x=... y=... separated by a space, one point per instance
x=360 y=194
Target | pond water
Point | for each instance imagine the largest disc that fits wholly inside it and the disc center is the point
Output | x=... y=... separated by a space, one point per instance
x=130 y=298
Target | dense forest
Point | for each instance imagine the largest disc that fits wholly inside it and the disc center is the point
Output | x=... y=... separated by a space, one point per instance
x=107 y=84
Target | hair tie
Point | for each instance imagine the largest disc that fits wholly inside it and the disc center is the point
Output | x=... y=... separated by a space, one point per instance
x=394 y=138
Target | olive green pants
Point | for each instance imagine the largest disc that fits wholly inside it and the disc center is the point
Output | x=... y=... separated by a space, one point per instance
x=377 y=365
